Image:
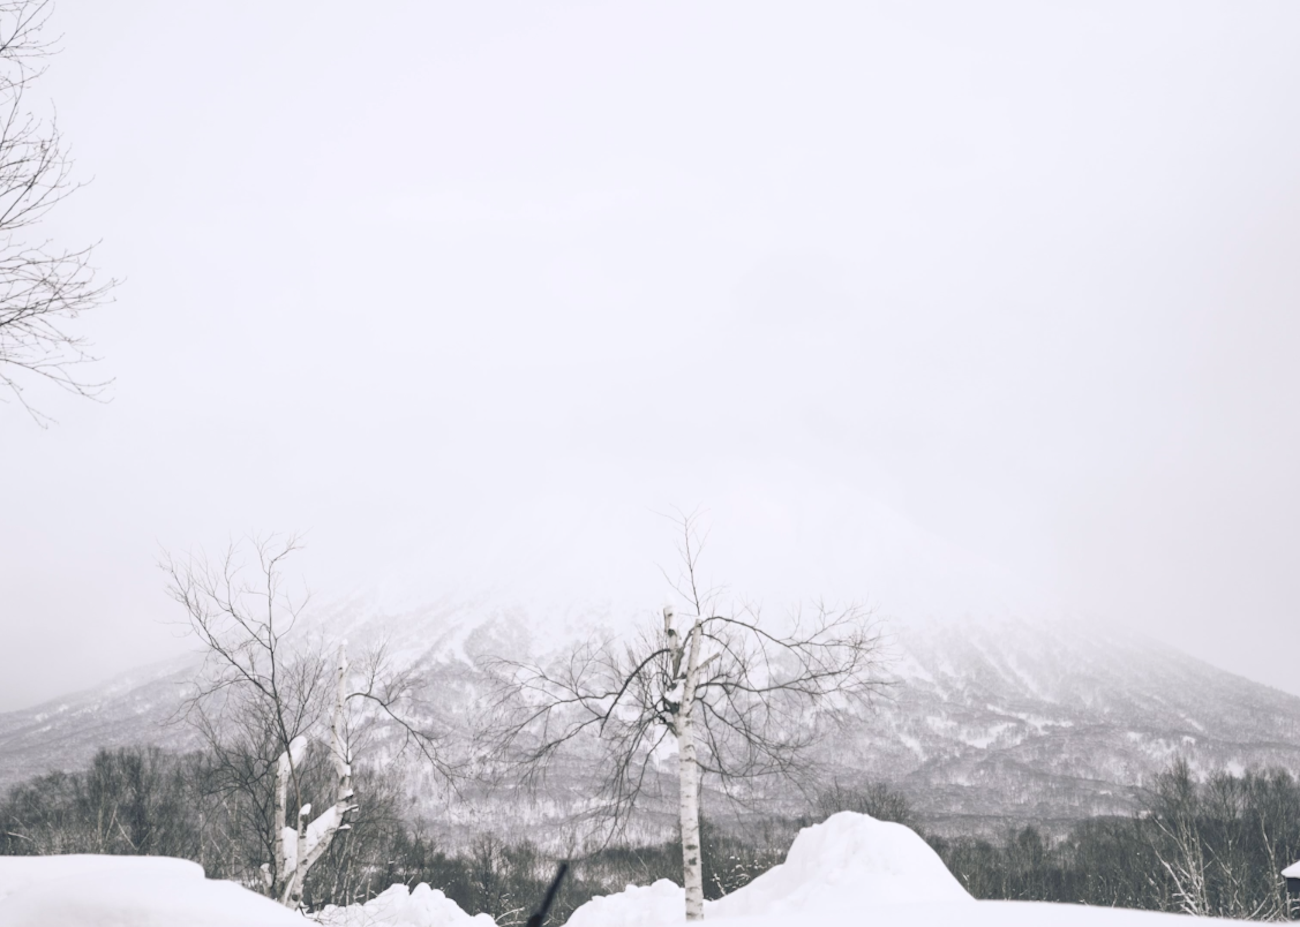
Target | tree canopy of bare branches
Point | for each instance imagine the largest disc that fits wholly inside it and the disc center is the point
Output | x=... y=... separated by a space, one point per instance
x=43 y=288
x=740 y=698
x=268 y=690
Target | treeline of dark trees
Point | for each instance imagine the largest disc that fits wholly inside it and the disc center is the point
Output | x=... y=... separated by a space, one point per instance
x=1212 y=846
x=1209 y=847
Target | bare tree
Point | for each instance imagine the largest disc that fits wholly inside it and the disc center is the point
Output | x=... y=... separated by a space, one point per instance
x=42 y=288
x=1210 y=843
x=741 y=701
x=267 y=691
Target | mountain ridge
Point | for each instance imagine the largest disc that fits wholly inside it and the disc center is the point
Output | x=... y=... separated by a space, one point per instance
x=987 y=724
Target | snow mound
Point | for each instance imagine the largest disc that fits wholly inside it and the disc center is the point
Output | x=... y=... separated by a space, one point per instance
x=663 y=902
x=848 y=862
x=127 y=891
x=399 y=906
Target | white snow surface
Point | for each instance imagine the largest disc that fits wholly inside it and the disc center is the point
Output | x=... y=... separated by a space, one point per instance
x=854 y=869
x=327 y=822
x=127 y=891
x=849 y=869
x=399 y=907
x=663 y=902
x=847 y=860
x=847 y=863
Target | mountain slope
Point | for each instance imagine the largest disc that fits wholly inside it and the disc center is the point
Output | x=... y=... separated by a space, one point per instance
x=138 y=707
x=987 y=724
x=1017 y=721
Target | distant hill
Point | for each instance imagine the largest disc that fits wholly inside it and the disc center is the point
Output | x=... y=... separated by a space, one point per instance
x=1006 y=722
x=64 y=733
x=988 y=724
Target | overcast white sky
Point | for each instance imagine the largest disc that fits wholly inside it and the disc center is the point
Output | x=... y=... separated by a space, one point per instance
x=954 y=307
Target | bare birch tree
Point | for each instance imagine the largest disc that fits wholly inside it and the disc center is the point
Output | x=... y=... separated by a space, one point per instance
x=42 y=288
x=741 y=699
x=265 y=694
x=1210 y=840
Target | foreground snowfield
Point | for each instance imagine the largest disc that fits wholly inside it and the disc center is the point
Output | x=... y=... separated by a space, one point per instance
x=850 y=869
x=853 y=869
x=127 y=891
x=403 y=907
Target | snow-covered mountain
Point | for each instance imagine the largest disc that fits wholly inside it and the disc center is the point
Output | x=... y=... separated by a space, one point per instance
x=989 y=723
x=1009 y=721
x=63 y=734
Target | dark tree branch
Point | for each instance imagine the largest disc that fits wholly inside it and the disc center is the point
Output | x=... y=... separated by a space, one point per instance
x=264 y=688
x=42 y=289
x=764 y=694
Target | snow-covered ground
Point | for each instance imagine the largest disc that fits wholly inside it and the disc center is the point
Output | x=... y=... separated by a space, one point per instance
x=127 y=891
x=403 y=907
x=854 y=869
x=849 y=869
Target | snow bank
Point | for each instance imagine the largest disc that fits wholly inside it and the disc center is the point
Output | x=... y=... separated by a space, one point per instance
x=854 y=869
x=663 y=902
x=155 y=891
x=849 y=869
x=127 y=891
x=849 y=861
x=400 y=907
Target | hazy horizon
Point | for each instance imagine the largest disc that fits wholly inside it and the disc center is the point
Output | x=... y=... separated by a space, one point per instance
x=953 y=309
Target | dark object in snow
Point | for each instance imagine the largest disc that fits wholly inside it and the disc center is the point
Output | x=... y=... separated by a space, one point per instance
x=540 y=914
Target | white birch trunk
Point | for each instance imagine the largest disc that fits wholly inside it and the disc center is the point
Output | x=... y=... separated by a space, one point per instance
x=314 y=839
x=293 y=888
x=692 y=867
x=283 y=834
x=282 y=772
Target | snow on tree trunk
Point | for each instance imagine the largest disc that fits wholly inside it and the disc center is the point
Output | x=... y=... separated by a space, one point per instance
x=276 y=874
x=692 y=868
x=311 y=841
x=283 y=835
